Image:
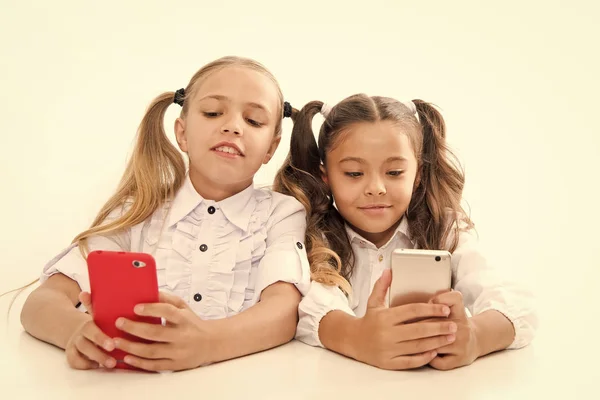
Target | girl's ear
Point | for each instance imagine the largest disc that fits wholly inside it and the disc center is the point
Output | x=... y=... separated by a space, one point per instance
x=180 y=134
x=272 y=149
x=324 y=177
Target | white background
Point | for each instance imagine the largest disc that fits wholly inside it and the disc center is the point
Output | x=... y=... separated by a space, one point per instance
x=516 y=81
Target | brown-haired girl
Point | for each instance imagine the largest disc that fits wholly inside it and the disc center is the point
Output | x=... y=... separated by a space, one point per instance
x=230 y=259
x=381 y=177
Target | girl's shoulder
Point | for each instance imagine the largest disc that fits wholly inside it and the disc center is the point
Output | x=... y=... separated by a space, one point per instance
x=278 y=200
x=278 y=205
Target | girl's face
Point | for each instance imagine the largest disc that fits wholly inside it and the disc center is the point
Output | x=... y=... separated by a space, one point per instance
x=371 y=172
x=228 y=131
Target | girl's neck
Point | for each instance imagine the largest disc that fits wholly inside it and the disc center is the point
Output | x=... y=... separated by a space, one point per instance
x=377 y=238
x=215 y=191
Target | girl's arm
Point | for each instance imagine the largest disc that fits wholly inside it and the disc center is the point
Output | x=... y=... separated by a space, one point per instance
x=188 y=342
x=478 y=336
x=270 y=323
x=49 y=313
x=484 y=289
x=384 y=337
x=494 y=332
x=503 y=315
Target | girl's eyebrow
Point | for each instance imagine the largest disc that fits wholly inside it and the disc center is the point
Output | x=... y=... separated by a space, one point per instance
x=355 y=159
x=362 y=161
x=396 y=158
x=225 y=98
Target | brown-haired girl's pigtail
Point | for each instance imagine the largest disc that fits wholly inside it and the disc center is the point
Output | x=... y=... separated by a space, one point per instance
x=435 y=209
x=300 y=177
x=156 y=170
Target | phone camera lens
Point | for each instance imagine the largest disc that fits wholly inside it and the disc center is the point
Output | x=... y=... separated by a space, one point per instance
x=136 y=263
x=438 y=258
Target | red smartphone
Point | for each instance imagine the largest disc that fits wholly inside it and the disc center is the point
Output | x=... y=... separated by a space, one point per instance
x=118 y=282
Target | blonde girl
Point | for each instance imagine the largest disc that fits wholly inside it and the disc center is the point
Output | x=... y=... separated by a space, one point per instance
x=230 y=257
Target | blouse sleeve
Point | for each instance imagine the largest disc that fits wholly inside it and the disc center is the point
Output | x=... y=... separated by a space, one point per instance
x=484 y=288
x=285 y=258
x=70 y=261
x=320 y=300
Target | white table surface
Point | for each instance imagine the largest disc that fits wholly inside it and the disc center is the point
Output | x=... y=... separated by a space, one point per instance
x=556 y=365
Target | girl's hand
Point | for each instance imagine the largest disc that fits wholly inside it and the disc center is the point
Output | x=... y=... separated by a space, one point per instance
x=464 y=350
x=384 y=339
x=184 y=343
x=86 y=347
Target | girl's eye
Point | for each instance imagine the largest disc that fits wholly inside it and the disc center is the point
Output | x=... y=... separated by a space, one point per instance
x=353 y=174
x=254 y=123
x=395 y=173
x=211 y=114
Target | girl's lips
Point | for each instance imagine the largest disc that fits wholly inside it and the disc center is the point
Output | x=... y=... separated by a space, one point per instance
x=226 y=155
x=374 y=210
x=228 y=144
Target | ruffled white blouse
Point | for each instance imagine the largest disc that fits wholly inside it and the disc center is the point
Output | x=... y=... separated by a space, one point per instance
x=217 y=256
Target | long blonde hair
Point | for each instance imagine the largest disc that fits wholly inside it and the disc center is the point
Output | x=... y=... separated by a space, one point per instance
x=156 y=169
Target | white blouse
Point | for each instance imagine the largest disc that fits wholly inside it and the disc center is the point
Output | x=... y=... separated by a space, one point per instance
x=217 y=256
x=481 y=286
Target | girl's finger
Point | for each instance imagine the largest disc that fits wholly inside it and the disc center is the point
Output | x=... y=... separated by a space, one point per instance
x=77 y=360
x=414 y=311
x=411 y=362
x=152 y=332
x=86 y=299
x=380 y=290
x=444 y=363
x=92 y=352
x=151 y=351
x=452 y=348
x=160 y=310
x=419 y=330
x=452 y=299
x=439 y=292
x=424 y=345
x=96 y=336
x=149 y=365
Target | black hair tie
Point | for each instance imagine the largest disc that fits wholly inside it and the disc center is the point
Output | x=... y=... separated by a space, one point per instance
x=179 y=96
x=287 y=109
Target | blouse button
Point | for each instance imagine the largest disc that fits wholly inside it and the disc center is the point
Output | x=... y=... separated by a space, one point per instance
x=211 y=210
x=380 y=257
x=197 y=297
x=203 y=248
x=299 y=245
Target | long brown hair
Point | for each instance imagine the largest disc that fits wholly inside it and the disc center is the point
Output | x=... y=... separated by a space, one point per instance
x=435 y=208
x=156 y=169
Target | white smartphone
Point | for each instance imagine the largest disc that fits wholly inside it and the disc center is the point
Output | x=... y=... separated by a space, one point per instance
x=418 y=275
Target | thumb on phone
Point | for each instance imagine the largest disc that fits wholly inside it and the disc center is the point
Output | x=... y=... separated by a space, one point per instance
x=86 y=299
x=380 y=289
